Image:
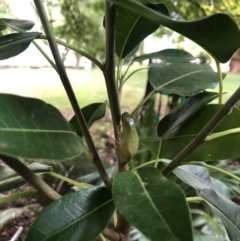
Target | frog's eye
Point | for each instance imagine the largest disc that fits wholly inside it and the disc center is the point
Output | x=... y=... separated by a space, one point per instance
x=131 y=122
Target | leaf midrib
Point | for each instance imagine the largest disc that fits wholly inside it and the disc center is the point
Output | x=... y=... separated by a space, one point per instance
x=181 y=77
x=36 y=130
x=153 y=205
x=78 y=219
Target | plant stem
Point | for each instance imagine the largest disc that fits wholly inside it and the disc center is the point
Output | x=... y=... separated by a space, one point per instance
x=220 y=80
x=31 y=193
x=194 y=199
x=70 y=92
x=125 y=73
x=201 y=136
x=143 y=102
x=123 y=226
x=66 y=179
x=109 y=67
x=45 y=56
x=158 y=153
x=77 y=50
x=30 y=177
x=215 y=169
x=130 y=75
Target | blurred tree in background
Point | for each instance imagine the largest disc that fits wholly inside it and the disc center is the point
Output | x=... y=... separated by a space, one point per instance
x=79 y=18
x=4 y=9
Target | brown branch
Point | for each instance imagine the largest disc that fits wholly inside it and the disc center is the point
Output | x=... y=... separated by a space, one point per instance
x=71 y=95
x=123 y=226
x=31 y=177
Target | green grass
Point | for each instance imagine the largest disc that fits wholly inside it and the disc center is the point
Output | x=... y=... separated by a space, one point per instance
x=89 y=86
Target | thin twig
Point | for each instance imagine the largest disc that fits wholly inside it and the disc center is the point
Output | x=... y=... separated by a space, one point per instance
x=68 y=88
x=201 y=136
x=17 y=234
x=30 y=177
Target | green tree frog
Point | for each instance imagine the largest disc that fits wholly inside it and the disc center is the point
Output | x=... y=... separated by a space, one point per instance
x=127 y=143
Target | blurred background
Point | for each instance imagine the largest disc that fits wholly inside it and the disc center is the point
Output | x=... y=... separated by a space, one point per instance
x=80 y=23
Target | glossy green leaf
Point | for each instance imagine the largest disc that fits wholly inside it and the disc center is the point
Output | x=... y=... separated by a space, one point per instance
x=2 y=26
x=226 y=210
x=14 y=44
x=91 y=113
x=153 y=204
x=77 y=216
x=199 y=178
x=208 y=32
x=9 y=179
x=32 y=129
x=17 y=23
x=219 y=148
x=132 y=28
x=177 y=117
x=182 y=78
x=167 y=55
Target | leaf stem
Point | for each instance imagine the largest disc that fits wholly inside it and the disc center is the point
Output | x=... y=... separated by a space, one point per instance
x=201 y=136
x=39 y=48
x=143 y=101
x=216 y=169
x=30 y=177
x=119 y=68
x=77 y=50
x=130 y=75
x=12 y=197
x=68 y=180
x=194 y=199
x=68 y=88
x=145 y=164
x=222 y=133
x=220 y=80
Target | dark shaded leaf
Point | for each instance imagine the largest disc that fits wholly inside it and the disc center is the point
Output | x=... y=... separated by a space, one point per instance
x=17 y=23
x=177 y=117
x=77 y=216
x=153 y=204
x=31 y=129
x=9 y=179
x=182 y=78
x=208 y=32
x=14 y=44
x=219 y=148
x=167 y=55
x=226 y=210
x=132 y=28
x=91 y=114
